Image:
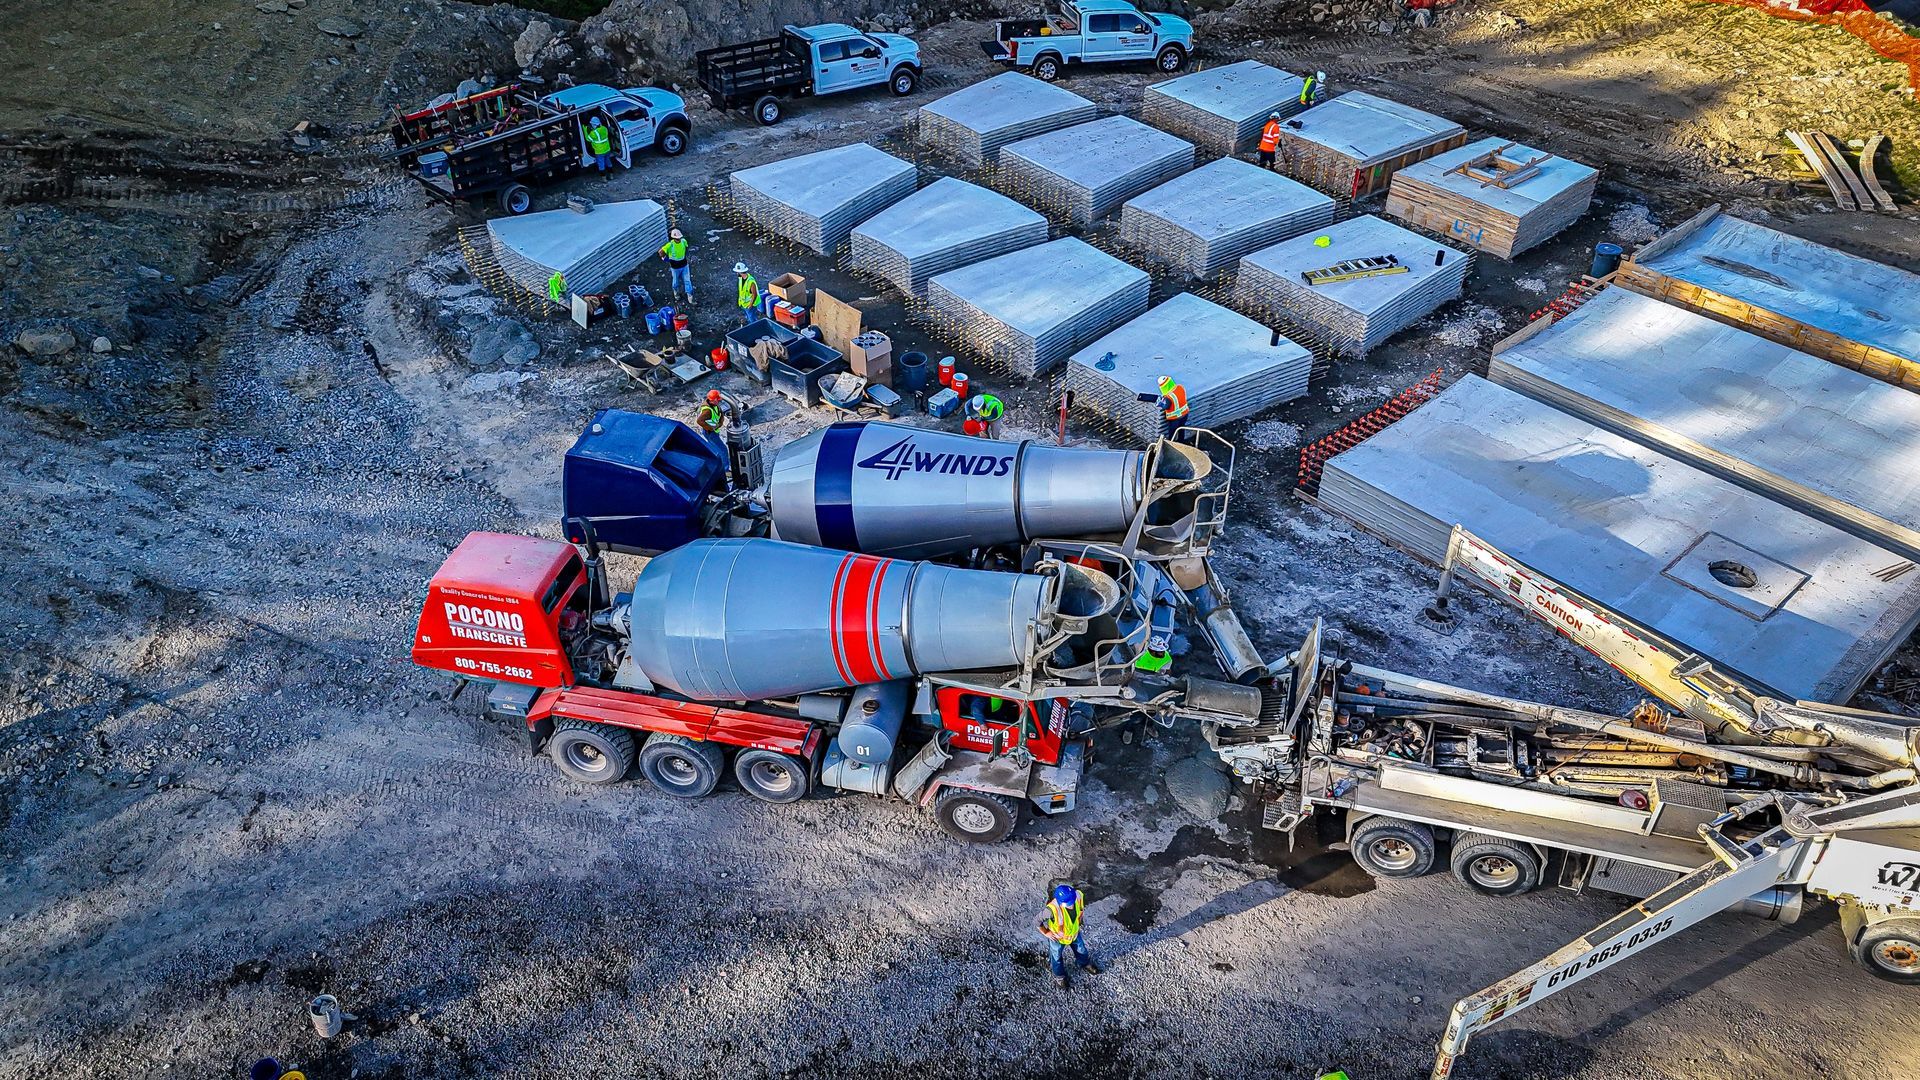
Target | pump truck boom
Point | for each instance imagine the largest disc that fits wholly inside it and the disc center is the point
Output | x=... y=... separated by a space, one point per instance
x=645 y=483
x=970 y=692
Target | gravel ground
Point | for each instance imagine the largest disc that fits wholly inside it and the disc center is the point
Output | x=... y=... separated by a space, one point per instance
x=226 y=789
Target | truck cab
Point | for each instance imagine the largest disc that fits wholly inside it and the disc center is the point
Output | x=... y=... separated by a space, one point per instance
x=640 y=117
x=843 y=58
x=1091 y=31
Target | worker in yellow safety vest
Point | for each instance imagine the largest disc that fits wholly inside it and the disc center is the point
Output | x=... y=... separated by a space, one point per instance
x=1310 y=90
x=749 y=294
x=1269 y=140
x=599 y=143
x=1061 y=926
x=557 y=288
x=1173 y=406
x=674 y=254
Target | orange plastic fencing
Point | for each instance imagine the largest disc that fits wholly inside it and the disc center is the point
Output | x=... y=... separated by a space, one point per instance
x=1856 y=18
x=1314 y=455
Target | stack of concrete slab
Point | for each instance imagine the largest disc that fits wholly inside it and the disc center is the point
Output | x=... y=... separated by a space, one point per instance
x=974 y=122
x=816 y=199
x=1223 y=108
x=591 y=251
x=1498 y=196
x=1206 y=220
x=1793 y=603
x=1028 y=310
x=947 y=224
x=1853 y=311
x=1353 y=144
x=1231 y=367
x=1087 y=170
x=1829 y=442
x=1358 y=313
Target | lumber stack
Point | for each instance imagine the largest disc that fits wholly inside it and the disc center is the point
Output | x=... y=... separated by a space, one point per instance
x=945 y=225
x=974 y=122
x=1026 y=311
x=1354 y=315
x=1205 y=221
x=591 y=250
x=1222 y=109
x=1088 y=170
x=1494 y=195
x=816 y=199
x=1231 y=366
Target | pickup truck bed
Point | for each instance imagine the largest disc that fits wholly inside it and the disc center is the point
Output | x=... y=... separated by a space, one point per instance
x=735 y=75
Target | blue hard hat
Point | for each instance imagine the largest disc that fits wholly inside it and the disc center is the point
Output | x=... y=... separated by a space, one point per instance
x=1064 y=894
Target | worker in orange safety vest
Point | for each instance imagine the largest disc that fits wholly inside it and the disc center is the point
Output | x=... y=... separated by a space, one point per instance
x=1173 y=406
x=1270 y=140
x=1061 y=926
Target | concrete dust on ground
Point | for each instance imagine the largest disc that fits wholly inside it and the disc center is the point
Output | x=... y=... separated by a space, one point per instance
x=227 y=789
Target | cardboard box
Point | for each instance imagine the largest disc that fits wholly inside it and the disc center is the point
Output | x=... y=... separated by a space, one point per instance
x=790 y=287
x=870 y=356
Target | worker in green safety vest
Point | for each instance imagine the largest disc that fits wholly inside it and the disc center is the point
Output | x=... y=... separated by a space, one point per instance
x=674 y=254
x=599 y=143
x=557 y=288
x=985 y=409
x=1061 y=925
x=749 y=297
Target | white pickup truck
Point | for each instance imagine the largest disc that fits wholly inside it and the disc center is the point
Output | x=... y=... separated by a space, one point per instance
x=805 y=61
x=1091 y=32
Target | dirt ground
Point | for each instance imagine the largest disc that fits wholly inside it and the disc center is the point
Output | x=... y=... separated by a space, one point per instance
x=226 y=789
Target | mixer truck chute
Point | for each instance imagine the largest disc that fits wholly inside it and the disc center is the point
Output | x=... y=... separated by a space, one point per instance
x=970 y=692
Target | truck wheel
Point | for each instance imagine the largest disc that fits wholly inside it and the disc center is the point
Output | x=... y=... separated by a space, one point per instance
x=1172 y=58
x=1491 y=866
x=1387 y=848
x=1891 y=950
x=980 y=817
x=516 y=198
x=672 y=142
x=767 y=110
x=590 y=753
x=771 y=776
x=681 y=766
x=1047 y=68
x=905 y=81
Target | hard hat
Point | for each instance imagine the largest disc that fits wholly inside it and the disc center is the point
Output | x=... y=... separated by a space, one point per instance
x=1166 y=381
x=1323 y=241
x=713 y=396
x=674 y=234
x=1064 y=894
x=1273 y=116
x=739 y=268
x=1156 y=644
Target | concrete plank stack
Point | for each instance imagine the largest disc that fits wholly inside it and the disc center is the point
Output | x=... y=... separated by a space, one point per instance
x=1088 y=170
x=1028 y=310
x=1205 y=221
x=591 y=250
x=816 y=199
x=974 y=122
x=1352 y=144
x=945 y=225
x=1231 y=367
x=1356 y=315
x=1829 y=442
x=1440 y=195
x=1223 y=109
x=1790 y=602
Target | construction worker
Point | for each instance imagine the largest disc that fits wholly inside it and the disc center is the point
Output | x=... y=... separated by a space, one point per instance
x=1060 y=924
x=985 y=409
x=1270 y=140
x=599 y=143
x=1310 y=89
x=712 y=417
x=674 y=254
x=1173 y=406
x=749 y=294
x=557 y=288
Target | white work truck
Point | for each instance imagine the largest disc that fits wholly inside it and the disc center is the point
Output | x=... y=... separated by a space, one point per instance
x=1091 y=32
x=802 y=61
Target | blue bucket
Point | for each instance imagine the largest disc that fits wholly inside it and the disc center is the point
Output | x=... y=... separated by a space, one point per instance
x=912 y=374
x=653 y=322
x=1606 y=259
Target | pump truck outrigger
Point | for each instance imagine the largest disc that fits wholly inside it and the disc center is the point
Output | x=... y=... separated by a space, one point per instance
x=968 y=692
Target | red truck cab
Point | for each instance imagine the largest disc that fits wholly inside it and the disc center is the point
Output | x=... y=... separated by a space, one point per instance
x=500 y=609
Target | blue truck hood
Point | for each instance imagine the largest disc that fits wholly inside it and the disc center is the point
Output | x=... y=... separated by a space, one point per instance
x=659 y=101
x=1171 y=26
x=896 y=43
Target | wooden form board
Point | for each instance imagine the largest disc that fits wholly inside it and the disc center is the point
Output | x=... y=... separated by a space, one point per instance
x=839 y=321
x=1337 y=174
x=1868 y=172
x=1494 y=231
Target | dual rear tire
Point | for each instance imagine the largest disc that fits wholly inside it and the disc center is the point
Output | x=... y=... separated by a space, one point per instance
x=682 y=767
x=1489 y=865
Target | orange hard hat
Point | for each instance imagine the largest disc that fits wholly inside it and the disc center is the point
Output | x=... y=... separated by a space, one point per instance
x=713 y=396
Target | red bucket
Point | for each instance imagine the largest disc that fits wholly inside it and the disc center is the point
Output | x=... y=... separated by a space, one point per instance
x=719 y=358
x=946 y=372
x=679 y=322
x=974 y=427
x=959 y=384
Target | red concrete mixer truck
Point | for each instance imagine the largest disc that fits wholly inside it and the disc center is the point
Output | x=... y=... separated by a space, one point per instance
x=972 y=693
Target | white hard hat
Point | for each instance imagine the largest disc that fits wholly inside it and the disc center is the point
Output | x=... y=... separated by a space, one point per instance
x=739 y=268
x=1273 y=116
x=674 y=234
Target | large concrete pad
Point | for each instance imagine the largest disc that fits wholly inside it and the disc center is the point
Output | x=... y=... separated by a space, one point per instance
x=1223 y=108
x=591 y=250
x=1357 y=314
x=1205 y=220
x=1088 y=170
x=1027 y=310
x=943 y=226
x=817 y=198
x=974 y=122
x=1637 y=531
